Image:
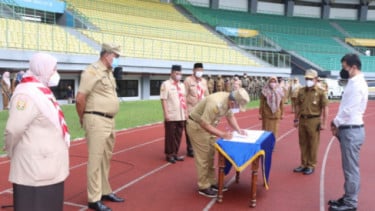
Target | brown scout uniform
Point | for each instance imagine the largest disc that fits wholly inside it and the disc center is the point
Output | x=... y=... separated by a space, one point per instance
x=310 y=103
x=99 y=85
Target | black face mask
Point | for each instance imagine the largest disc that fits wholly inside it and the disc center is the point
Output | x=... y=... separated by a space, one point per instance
x=344 y=74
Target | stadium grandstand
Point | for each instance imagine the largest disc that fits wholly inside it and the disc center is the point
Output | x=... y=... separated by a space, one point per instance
x=231 y=37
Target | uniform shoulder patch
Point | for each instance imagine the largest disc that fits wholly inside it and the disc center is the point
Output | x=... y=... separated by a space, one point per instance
x=21 y=104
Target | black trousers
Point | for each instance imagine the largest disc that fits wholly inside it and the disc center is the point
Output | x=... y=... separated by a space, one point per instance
x=43 y=198
x=173 y=135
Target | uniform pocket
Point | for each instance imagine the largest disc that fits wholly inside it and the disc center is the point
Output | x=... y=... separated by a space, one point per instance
x=45 y=167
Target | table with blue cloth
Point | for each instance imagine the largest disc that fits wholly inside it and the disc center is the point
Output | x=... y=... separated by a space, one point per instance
x=241 y=154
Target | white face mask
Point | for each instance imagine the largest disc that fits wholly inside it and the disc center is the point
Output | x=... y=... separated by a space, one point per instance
x=309 y=83
x=178 y=77
x=199 y=74
x=235 y=110
x=272 y=85
x=54 y=80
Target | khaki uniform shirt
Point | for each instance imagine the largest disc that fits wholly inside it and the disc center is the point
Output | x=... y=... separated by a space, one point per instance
x=99 y=85
x=212 y=108
x=191 y=87
x=169 y=93
x=311 y=102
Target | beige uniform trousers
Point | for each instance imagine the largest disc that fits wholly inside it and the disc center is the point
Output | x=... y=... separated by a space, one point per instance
x=204 y=152
x=100 y=134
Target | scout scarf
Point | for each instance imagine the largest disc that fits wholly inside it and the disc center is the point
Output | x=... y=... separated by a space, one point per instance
x=200 y=90
x=46 y=102
x=180 y=95
x=273 y=96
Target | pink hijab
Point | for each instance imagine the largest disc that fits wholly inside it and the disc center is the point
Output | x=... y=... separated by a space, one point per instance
x=273 y=96
x=42 y=66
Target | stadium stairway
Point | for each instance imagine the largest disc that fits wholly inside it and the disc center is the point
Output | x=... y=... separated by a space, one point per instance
x=231 y=44
x=83 y=38
x=350 y=48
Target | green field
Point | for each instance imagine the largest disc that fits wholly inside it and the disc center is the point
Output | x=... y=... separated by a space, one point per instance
x=131 y=114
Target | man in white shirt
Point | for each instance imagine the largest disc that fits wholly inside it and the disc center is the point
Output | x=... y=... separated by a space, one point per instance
x=348 y=127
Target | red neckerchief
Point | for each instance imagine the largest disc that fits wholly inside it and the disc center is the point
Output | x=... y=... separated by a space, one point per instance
x=180 y=95
x=48 y=93
x=199 y=89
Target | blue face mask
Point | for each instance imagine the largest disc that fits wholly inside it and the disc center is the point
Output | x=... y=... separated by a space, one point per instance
x=115 y=62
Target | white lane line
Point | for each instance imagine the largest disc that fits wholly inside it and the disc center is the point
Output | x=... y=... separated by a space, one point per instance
x=141 y=178
x=75 y=204
x=322 y=175
x=121 y=151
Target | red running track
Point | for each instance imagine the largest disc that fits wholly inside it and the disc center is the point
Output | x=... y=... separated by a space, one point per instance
x=140 y=174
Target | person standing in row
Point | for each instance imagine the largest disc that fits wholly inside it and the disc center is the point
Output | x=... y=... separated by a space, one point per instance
x=201 y=127
x=310 y=117
x=210 y=84
x=96 y=105
x=37 y=139
x=6 y=89
x=294 y=88
x=271 y=106
x=348 y=127
x=220 y=84
x=173 y=101
x=196 y=90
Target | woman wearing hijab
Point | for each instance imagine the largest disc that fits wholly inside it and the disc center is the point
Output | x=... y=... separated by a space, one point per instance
x=271 y=106
x=6 y=90
x=37 y=139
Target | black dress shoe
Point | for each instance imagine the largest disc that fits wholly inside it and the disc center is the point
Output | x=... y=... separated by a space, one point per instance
x=98 y=206
x=299 y=169
x=170 y=159
x=112 y=197
x=190 y=154
x=308 y=171
x=179 y=158
x=342 y=207
x=336 y=202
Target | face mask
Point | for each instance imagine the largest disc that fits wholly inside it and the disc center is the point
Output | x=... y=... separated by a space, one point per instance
x=54 y=80
x=272 y=85
x=344 y=74
x=198 y=74
x=235 y=110
x=309 y=83
x=115 y=63
x=178 y=77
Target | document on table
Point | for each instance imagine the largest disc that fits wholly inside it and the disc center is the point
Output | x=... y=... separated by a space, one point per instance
x=251 y=137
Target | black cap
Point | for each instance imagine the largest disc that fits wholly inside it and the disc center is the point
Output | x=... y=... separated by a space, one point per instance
x=198 y=65
x=176 y=68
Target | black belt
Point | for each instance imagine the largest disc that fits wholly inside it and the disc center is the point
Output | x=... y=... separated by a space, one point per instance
x=309 y=116
x=99 y=113
x=343 y=127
